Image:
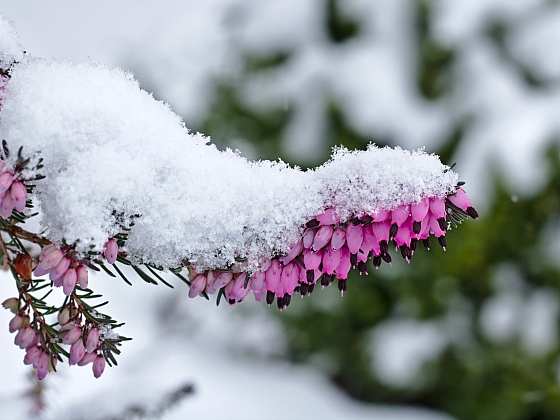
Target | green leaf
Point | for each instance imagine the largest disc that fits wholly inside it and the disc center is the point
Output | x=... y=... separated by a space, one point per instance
x=143 y=275
x=122 y=275
x=106 y=270
x=158 y=276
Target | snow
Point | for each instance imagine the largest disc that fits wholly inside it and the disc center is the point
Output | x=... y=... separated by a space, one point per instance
x=109 y=146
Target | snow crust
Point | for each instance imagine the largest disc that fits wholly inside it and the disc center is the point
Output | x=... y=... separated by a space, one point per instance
x=110 y=147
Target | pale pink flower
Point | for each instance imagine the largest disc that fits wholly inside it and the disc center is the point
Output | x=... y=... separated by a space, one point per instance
x=98 y=366
x=111 y=251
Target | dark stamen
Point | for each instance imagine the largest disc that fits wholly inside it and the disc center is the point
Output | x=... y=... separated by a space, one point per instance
x=377 y=261
x=342 y=285
x=442 y=241
x=413 y=245
x=362 y=267
x=426 y=243
x=367 y=219
x=472 y=212
x=387 y=258
x=353 y=260
x=280 y=302
x=310 y=276
x=416 y=226
x=287 y=300
x=269 y=297
x=312 y=223
x=442 y=223
x=384 y=247
x=393 y=231
x=304 y=289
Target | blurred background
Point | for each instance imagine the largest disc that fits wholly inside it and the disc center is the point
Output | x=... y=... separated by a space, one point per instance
x=471 y=333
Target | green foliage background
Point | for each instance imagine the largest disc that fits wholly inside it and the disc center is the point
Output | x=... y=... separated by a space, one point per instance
x=476 y=378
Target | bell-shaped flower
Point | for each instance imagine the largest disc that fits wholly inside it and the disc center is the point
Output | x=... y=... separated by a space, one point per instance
x=111 y=251
x=18 y=191
x=6 y=180
x=92 y=340
x=322 y=237
x=98 y=366
x=77 y=352
x=69 y=281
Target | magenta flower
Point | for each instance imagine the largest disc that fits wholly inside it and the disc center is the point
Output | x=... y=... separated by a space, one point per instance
x=98 y=366
x=111 y=251
x=77 y=352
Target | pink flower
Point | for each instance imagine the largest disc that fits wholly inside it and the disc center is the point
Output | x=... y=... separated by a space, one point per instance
x=6 y=180
x=294 y=251
x=7 y=206
x=18 y=191
x=98 y=366
x=60 y=268
x=72 y=335
x=338 y=238
x=32 y=355
x=197 y=286
x=82 y=273
x=51 y=260
x=77 y=352
x=69 y=281
x=16 y=323
x=461 y=200
x=88 y=358
x=331 y=259
x=92 y=340
x=111 y=251
x=354 y=237
x=322 y=237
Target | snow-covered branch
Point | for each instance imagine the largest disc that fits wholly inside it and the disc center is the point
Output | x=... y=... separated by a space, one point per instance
x=118 y=179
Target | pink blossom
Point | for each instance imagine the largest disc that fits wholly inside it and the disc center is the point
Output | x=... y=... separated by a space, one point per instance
x=7 y=206
x=197 y=286
x=98 y=366
x=18 y=191
x=312 y=260
x=222 y=280
x=331 y=259
x=60 y=268
x=92 y=340
x=73 y=334
x=344 y=265
x=338 y=238
x=32 y=355
x=6 y=180
x=69 y=281
x=51 y=260
x=309 y=237
x=354 y=237
x=82 y=274
x=326 y=218
x=294 y=251
x=111 y=251
x=461 y=200
x=16 y=323
x=88 y=358
x=77 y=352
x=322 y=237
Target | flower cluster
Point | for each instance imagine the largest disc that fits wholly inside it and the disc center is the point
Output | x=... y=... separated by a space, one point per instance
x=329 y=248
x=85 y=341
x=13 y=193
x=64 y=270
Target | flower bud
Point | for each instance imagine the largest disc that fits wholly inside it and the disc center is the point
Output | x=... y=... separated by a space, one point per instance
x=98 y=366
x=32 y=355
x=60 y=268
x=92 y=340
x=11 y=304
x=72 y=335
x=88 y=358
x=18 y=191
x=197 y=286
x=82 y=276
x=77 y=352
x=16 y=323
x=6 y=180
x=42 y=361
x=51 y=261
x=111 y=251
x=24 y=337
x=69 y=281
x=64 y=316
x=7 y=206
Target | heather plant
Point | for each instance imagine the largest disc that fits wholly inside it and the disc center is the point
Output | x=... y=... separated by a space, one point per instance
x=110 y=196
